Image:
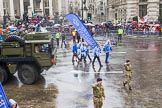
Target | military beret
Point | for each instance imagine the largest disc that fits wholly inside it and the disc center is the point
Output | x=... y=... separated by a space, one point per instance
x=99 y=79
x=127 y=61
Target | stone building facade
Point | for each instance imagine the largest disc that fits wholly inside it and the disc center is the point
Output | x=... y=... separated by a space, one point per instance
x=125 y=10
x=18 y=7
x=91 y=6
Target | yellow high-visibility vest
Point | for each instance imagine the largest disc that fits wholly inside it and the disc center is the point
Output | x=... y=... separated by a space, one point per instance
x=57 y=35
x=120 y=31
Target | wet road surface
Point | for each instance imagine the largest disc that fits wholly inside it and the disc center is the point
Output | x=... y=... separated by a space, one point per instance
x=68 y=86
x=75 y=85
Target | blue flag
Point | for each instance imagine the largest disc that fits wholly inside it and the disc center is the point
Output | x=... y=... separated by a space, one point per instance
x=81 y=29
x=3 y=99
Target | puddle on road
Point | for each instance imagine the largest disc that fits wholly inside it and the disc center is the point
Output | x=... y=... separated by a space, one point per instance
x=75 y=91
x=146 y=60
x=32 y=96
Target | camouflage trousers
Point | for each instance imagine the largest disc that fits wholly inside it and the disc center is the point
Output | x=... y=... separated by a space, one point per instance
x=98 y=102
x=127 y=79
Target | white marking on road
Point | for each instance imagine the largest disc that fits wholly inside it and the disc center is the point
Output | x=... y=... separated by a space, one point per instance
x=119 y=52
x=146 y=50
x=110 y=72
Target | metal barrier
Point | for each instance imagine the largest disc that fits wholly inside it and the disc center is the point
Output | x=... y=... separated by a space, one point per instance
x=136 y=33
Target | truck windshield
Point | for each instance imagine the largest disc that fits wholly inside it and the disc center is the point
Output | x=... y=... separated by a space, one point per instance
x=42 y=48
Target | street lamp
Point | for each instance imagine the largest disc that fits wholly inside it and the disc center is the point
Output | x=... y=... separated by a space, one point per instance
x=83 y=2
x=82 y=8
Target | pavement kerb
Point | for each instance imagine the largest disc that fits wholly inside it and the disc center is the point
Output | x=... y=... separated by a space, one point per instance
x=139 y=37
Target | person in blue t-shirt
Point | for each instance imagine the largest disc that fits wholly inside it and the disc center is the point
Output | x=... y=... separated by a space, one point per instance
x=79 y=45
x=107 y=48
x=87 y=53
x=97 y=52
x=74 y=50
x=83 y=52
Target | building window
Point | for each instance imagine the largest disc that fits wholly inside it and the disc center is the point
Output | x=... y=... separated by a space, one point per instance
x=101 y=8
x=101 y=3
x=143 y=1
x=37 y=4
x=26 y=4
x=46 y=11
x=142 y=10
x=6 y=7
x=46 y=3
x=160 y=10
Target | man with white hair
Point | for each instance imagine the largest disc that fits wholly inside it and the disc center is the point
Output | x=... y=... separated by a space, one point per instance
x=13 y=104
x=107 y=48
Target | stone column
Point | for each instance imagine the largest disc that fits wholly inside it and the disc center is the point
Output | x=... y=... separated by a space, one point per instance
x=111 y=13
x=32 y=5
x=84 y=14
x=41 y=6
x=12 y=13
x=50 y=8
x=1 y=11
x=1 y=8
x=21 y=8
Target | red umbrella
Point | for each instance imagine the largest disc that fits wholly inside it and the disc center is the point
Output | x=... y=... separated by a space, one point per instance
x=134 y=22
x=151 y=25
x=156 y=25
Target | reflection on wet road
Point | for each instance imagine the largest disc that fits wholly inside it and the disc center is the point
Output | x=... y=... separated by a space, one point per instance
x=74 y=83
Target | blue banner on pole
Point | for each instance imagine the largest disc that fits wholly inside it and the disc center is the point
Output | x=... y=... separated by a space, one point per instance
x=3 y=99
x=81 y=29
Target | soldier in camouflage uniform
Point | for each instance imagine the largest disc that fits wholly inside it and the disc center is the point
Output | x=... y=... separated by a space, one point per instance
x=127 y=74
x=98 y=93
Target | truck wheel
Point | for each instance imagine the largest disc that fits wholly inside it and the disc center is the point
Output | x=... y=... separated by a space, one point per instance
x=27 y=74
x=14 y=38
x=3 y=75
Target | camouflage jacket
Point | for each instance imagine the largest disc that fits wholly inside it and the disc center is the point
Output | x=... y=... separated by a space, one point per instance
x=127 y=69
x=98 y=91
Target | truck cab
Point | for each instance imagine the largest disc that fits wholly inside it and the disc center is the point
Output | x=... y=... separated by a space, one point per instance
x=28 y=56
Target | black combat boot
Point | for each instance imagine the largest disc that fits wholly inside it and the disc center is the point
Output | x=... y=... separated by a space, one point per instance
x=124 y=83
x=130 y=88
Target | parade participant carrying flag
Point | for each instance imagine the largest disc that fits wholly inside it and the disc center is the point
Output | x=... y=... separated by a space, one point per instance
x=81 y=29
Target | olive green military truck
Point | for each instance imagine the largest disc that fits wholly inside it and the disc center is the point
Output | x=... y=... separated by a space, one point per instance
x=28 y=56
